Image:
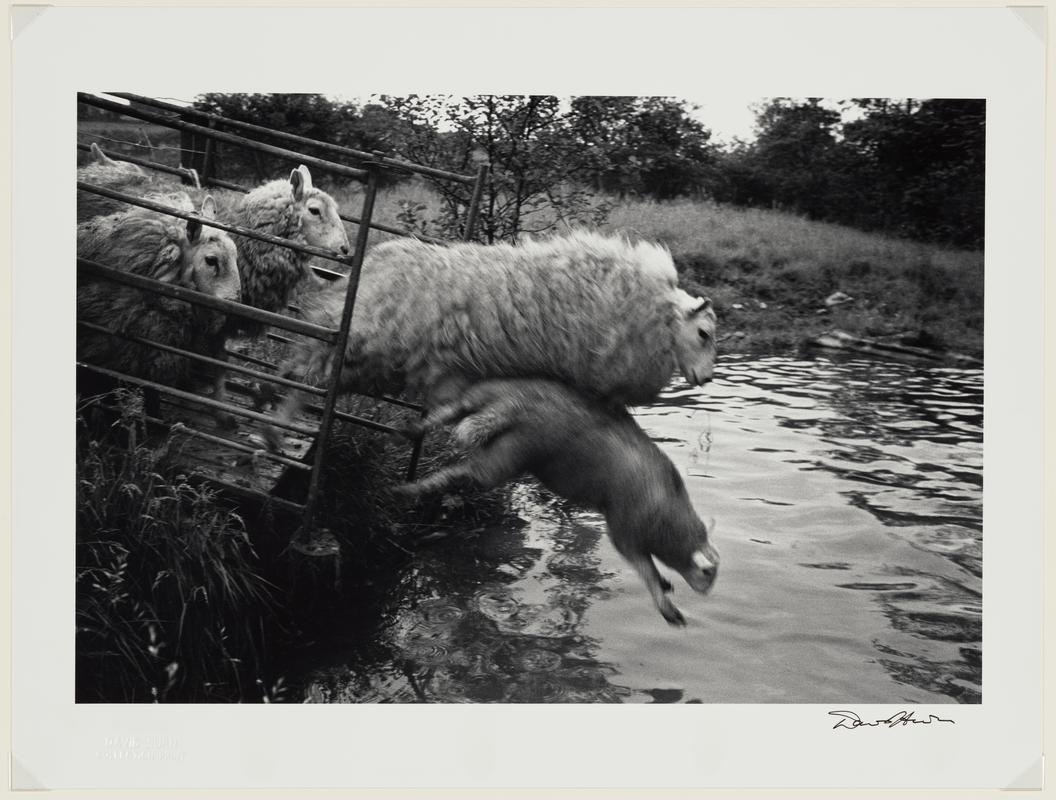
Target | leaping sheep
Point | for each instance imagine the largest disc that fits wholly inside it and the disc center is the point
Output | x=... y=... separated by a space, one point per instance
x=596 y=312
x=170 y=250
x=591 y=454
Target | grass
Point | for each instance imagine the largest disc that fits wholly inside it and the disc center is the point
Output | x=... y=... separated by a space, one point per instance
x=171 y=603
x=780 y=268
x=770 y=272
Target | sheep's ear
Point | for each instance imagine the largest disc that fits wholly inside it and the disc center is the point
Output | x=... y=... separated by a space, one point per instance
x=167 y=263
x=208 y=207
x=301 y=179
x=705 y=305
x=701 y=560
x=99 y=155
x=194 y=230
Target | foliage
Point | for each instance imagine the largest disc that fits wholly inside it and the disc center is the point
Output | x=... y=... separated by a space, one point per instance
x=641 y=146
x=170 y=606
x=531 y=182
x=910 y=167
x=925 y=165
x=769 y=273
x=913 y=168
x=313 y=116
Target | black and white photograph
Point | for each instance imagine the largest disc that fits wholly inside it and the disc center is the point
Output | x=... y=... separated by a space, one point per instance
x=591 y=351
x=517 y=397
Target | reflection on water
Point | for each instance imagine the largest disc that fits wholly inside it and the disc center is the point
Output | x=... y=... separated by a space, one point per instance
x=848 y=501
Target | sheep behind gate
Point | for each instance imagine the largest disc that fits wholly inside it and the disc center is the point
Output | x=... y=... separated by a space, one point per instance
x=293 y=209
x=170 y=250
x=121 y=176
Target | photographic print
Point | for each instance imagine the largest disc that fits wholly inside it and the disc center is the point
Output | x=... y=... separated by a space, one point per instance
x=763 y=351
x=537 y=414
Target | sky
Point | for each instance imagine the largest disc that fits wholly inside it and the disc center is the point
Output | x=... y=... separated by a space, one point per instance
x=728 y=117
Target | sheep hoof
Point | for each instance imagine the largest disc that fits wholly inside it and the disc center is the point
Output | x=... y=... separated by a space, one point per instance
x=672 y=615
x=226 y=421
x=411 y=431
x=406 y=489
x=273 y=439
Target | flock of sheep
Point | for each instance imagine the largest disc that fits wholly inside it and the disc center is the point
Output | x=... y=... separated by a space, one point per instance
x=532 y=352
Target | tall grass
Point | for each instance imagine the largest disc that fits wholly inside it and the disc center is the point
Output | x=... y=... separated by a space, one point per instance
x=769 y=272
x=779 y=268
x=170 y=602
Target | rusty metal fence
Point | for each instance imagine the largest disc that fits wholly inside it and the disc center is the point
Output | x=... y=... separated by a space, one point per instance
x=368 y=170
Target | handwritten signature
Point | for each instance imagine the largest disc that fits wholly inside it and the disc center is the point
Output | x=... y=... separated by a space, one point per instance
x=848 y=719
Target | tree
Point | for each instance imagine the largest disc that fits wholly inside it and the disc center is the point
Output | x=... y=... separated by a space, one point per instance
x=533 y=164
x=310 y=115
x=642 y=146
x=911 y=167
x=796 y=151
x=926 y=163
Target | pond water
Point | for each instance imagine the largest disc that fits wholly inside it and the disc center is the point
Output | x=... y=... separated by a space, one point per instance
x=847 y=499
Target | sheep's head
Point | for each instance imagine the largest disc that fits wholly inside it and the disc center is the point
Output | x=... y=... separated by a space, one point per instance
x=316 y=214
x=210 y=258
x=695 y=558
x=105 y=170
x=695 y=338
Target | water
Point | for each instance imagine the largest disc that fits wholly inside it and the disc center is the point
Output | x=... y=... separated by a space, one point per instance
x=847 y=496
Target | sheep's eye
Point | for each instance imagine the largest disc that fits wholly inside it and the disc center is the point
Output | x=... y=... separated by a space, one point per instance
x=704 y=336
x=315 y=211
x=214 y=262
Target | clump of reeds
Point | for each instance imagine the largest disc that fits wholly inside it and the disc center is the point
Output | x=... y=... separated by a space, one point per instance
x=170 y=602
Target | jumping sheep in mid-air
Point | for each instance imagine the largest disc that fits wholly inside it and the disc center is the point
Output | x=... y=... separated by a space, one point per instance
x=596 y=312
x=170 y=250
x=592 y=454
x=120 y=176
x=292 y=209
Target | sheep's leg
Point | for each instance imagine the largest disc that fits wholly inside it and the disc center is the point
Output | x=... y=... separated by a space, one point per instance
x=445 y=413
x=655 y=583
x=497 y=462
x=224 y=419
x=290 y=408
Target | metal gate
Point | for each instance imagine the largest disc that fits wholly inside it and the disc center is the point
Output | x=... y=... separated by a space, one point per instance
x=194 y=126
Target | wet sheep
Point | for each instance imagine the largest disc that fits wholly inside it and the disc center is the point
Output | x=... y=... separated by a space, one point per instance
x=589 y=453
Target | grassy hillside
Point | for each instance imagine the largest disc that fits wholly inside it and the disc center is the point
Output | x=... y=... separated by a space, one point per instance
x=769 y=274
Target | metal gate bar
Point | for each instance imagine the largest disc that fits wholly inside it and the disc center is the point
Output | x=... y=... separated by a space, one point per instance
x=194 y=216
x=201 y=400
x=337 y=338
x=227 y=366
x=386 y=161
x=229 y=443
x=467 y=234
x=207 y=300
x=230 y=138
x=330 y=403
x=235 y=187
x=181 y=172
